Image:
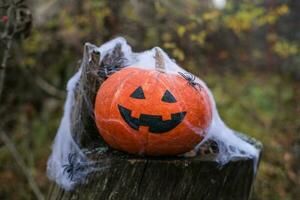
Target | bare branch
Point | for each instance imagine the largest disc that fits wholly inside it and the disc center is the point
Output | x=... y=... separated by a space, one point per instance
x=3 y=65
x=50 y=89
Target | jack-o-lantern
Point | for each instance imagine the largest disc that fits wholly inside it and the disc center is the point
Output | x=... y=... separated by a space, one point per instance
x=149 y=112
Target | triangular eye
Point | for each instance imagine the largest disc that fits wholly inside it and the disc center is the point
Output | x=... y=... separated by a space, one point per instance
x=138 y=93
x=168 y=97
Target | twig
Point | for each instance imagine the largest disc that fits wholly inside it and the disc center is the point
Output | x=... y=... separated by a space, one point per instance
x=3 y=65
x=9 y=39
x=11 y=147
x=50 y=89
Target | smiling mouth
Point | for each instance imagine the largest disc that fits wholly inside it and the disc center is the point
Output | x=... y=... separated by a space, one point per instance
x=155 y=122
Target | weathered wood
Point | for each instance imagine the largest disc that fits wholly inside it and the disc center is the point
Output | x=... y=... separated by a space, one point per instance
x=83 y=127
x=94 y=72
x=123 y=176
x=131 y=177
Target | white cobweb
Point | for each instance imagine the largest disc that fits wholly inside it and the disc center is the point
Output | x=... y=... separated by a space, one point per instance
x=65 y=152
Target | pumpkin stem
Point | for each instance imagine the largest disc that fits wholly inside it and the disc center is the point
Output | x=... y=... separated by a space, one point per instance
x=159 y=60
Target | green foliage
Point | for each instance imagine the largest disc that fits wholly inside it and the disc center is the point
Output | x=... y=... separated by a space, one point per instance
x=285 y=48
x=257 y=105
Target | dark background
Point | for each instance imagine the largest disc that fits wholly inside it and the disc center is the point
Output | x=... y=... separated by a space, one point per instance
x=248 y=53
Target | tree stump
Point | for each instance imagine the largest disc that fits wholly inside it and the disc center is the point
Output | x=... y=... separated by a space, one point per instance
x=132 y=177
x=123 y=176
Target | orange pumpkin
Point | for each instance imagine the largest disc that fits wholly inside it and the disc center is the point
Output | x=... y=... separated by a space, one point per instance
x=144 y=111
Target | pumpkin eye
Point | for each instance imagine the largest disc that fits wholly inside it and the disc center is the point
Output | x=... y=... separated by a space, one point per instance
x=168 y=97
x=138 y=93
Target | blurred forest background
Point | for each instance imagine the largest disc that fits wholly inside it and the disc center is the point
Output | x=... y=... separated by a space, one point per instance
x=247 y=51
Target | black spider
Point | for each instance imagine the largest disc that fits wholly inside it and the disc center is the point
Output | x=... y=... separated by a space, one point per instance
x=74 y=166
x=112 y=62
x=191 y=80
x=70 y=167
x=110 y=66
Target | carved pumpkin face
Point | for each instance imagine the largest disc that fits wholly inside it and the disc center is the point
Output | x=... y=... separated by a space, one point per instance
x=150 y=112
